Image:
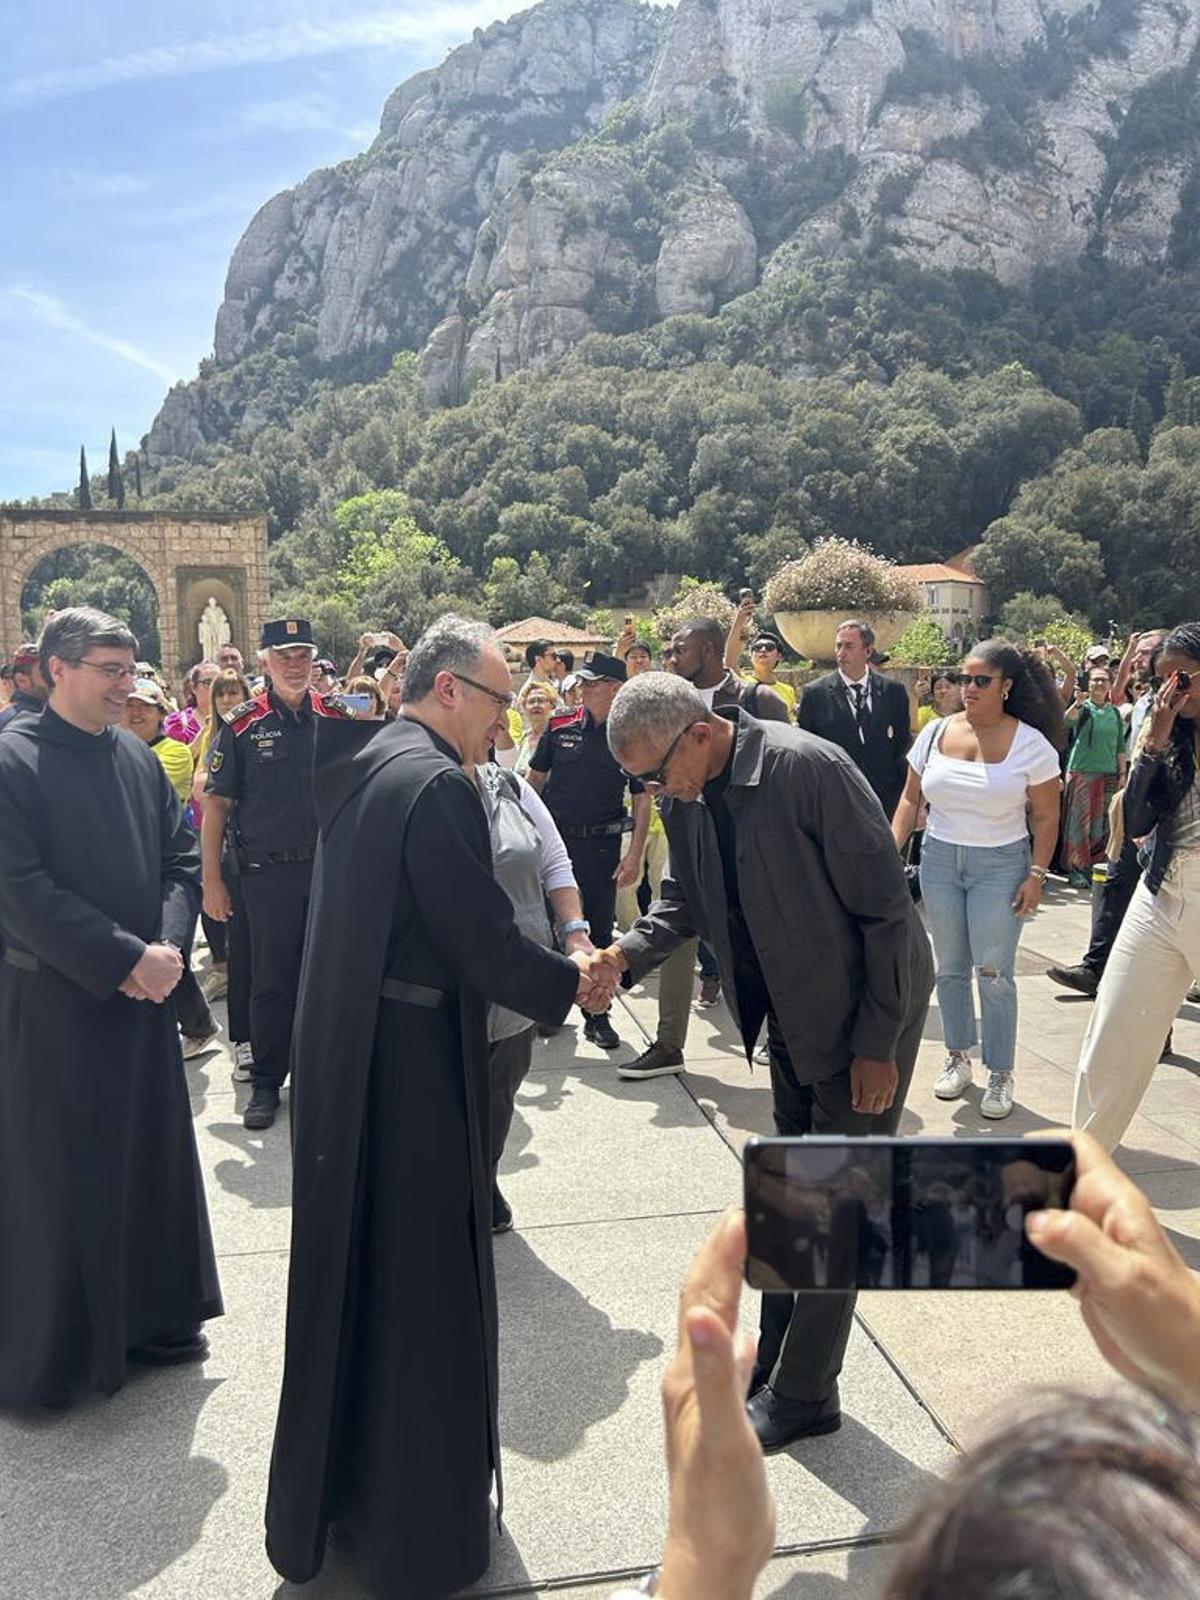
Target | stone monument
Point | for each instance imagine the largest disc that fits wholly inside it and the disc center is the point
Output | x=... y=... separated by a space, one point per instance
x=213 y=629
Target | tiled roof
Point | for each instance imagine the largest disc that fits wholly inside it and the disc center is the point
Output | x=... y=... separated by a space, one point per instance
x=542 y=628
x=938 y=572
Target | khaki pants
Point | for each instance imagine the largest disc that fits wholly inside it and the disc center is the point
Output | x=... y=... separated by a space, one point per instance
x=676 y=976
x=1145 y=981
x=654 y=862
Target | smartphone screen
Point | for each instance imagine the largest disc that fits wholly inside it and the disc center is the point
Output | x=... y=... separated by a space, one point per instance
x=878 y=1213
x=358 y=703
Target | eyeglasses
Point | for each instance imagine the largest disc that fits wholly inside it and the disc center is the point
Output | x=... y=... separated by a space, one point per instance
x=762 y=649
x=658 y=778
x=112 y=670
x=979 y=679
x=504 y=700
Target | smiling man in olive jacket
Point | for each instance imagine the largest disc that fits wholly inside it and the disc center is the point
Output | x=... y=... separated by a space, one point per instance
x=783 y=861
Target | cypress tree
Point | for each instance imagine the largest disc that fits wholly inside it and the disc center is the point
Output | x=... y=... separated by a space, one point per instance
x=85 y=488
x=1177 y=410
x=137 y=473
x=116 y=484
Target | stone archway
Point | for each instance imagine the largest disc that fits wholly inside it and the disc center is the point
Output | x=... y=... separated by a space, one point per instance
x=180 y=556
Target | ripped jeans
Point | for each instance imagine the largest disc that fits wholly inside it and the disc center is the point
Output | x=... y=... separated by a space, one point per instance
x=968 y=893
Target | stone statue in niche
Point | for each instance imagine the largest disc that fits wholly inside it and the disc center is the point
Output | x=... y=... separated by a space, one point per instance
x=214 y=630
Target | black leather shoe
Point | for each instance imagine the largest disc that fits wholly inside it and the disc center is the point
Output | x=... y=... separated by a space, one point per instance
x=601 y=1031
x=779 y=1422
x=1080 y=978
x=1168 y=1049
x=502 y=1217
x=170 y=1350
x=260 y=1113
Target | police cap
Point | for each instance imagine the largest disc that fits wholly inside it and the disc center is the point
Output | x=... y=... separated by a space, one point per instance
x=597 y=666
x=285 y=631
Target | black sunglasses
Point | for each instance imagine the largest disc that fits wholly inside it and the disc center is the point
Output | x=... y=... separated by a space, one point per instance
x=658 y=777
x=979 y=679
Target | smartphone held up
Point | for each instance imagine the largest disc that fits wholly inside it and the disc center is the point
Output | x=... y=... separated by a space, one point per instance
x=902 y=1213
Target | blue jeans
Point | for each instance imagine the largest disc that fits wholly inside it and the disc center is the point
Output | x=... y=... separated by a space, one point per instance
x=968 y=893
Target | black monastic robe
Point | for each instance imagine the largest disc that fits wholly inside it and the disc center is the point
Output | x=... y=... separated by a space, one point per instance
x=388 y=1417
x=104 y=1235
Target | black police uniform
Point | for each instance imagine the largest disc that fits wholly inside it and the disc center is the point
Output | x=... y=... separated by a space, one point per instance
x=585 y=794
x=262 y=760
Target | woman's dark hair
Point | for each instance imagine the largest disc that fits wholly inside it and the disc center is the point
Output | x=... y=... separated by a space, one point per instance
x=1178 y=769
x=1086 y=1498
x=1034 y=696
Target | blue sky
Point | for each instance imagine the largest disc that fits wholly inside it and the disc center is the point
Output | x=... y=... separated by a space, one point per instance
x=137 y=139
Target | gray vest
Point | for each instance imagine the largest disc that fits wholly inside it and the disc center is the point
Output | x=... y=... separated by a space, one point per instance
x=517 y=865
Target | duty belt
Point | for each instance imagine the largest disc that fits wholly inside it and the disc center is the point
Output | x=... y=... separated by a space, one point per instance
x=597 y=829
x=414 y=994
x=21 y=959
x=273 y=858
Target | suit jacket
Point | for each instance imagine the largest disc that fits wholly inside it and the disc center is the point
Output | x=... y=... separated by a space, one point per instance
x=843 y=954
x=881 y=756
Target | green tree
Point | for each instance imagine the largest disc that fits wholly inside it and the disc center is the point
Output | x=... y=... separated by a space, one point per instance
x=1034 y=555
x=84 y=492
x=922 y=644
x=116 y=484
x=1028 y=617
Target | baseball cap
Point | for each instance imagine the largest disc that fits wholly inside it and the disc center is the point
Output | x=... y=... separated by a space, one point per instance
x=146 y=690
x=597 y=666
x=326 y=666
x=1099 y=650
x=24 y=657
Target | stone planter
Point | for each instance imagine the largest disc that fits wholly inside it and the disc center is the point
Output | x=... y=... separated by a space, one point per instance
x=814 y=633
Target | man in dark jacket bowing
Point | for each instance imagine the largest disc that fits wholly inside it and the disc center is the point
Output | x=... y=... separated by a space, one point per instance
x=105 y=1251
x=783 y=862
x=388 y=1417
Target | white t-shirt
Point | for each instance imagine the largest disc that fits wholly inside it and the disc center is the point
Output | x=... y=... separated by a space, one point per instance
x=977 y=802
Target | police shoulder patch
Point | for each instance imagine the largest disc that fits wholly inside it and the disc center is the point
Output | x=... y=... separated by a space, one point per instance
x=240 y=711
x=568 y=719
x=216 y=761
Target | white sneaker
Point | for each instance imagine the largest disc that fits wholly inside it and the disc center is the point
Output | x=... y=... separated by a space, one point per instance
x=243 y=1060
x=196 y=1045
x=954 y=1077
x=997 y=1099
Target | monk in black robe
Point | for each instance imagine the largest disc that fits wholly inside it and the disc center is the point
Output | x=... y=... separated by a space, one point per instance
x=388 y=1417
x=105 y=1247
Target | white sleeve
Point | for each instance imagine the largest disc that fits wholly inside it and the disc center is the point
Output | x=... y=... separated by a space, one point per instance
x=557 y=872
x=1041 y=758
x=507 y=758
x=918 y=756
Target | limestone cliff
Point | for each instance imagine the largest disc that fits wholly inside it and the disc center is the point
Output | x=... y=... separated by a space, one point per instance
x=597 y=164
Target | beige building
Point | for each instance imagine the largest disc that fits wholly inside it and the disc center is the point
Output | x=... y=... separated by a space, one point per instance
x=517 y=635
x=955 y=598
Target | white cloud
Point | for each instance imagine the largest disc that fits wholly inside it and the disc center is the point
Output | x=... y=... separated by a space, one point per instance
x=49 y=309
x=75 y=182
x=447 y=22
x=316 y=112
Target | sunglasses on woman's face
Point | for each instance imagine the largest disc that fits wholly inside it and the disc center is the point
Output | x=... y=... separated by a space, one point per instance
x=979 y=679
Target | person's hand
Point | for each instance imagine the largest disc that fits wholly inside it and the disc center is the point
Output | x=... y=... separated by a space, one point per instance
x=157 y=972
x=1164 y=711
x=396 y=643
x=627 y=873
x=745 y=612
x=365 y=641
x=625 y=641
x=873 y=1085
x=132 y=990
x=597 y=980
x=1140 y=1302
x=721 y=1529
x=578 y=943
x=1028 y=897
x=217 y=904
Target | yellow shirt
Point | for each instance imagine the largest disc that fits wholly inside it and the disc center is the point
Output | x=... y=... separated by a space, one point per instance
x=177 y=764
x=925 y=715
x=784 y=690
x=516 y=725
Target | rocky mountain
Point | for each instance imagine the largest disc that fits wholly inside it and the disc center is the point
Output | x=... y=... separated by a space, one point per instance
x=595 y=165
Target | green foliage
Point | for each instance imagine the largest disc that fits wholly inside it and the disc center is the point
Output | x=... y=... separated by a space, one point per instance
x=922 y=644
x=116 y=484
x=93 y=575
x=84 y=492
x=785 y=104
x=1026 y=618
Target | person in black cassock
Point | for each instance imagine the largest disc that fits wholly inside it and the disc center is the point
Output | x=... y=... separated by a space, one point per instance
x=387 y=1422
x=105 y=1250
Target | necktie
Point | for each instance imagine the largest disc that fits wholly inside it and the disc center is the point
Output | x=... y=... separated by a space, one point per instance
x=860 y=709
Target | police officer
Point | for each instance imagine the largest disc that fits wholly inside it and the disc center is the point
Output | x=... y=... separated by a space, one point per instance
x=584 y=790
x=260 y=775
x=29 y=687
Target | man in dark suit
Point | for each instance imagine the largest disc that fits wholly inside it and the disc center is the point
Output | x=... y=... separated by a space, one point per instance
x=862 y=712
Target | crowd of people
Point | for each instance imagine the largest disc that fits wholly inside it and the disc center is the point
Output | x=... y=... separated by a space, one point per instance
x=460 y=864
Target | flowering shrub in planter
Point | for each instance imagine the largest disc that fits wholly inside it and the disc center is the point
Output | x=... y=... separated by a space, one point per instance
x=841 y=575
x=691 y=601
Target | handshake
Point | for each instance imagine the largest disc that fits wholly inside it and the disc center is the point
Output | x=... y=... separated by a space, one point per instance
x=599 y=974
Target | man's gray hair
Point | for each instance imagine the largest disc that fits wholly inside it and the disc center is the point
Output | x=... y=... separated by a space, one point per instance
x=69 y=634
x=654 y=706
x=865 y=631
x=451 y=644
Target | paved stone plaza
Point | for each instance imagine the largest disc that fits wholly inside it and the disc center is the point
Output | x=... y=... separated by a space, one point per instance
x=159 y=1491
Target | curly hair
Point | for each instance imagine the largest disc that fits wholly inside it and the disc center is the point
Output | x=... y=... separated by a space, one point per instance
x=1034 y=696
